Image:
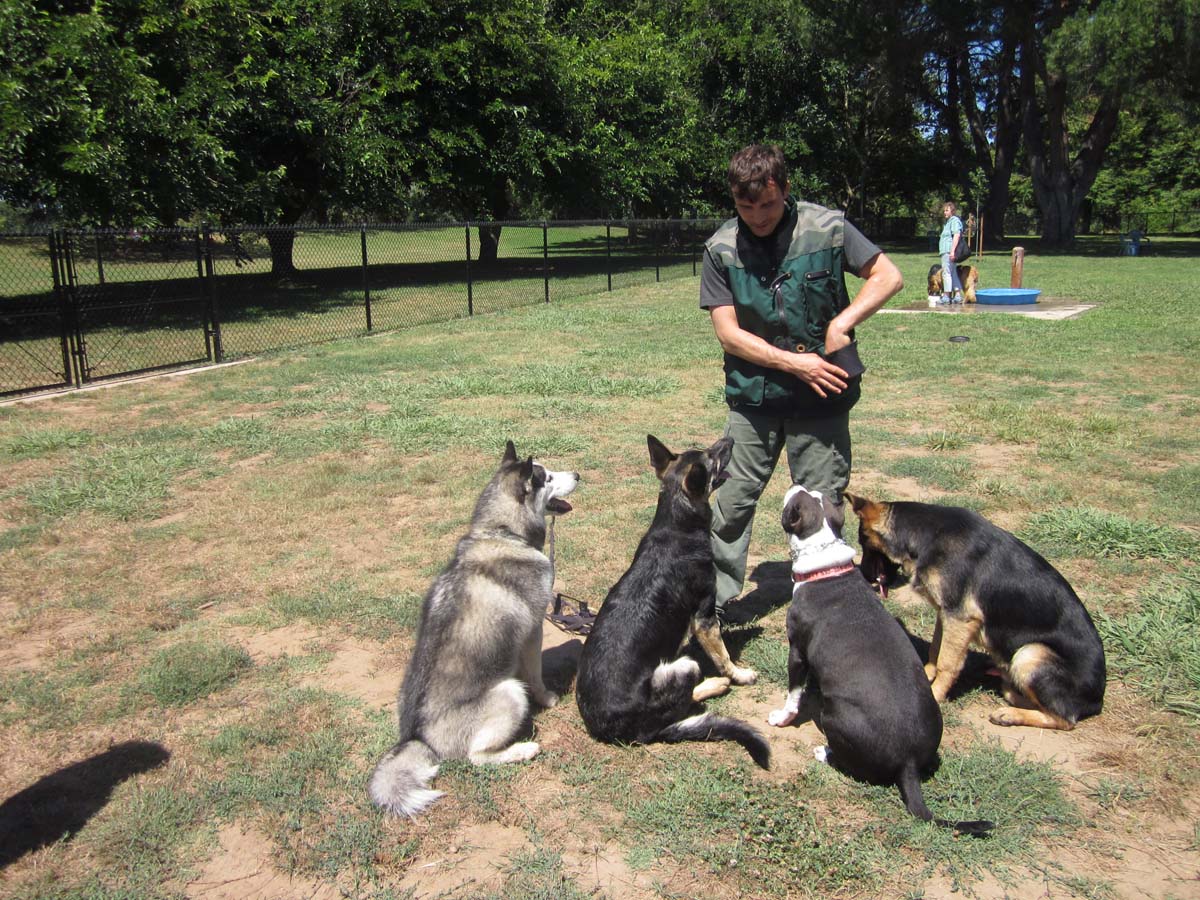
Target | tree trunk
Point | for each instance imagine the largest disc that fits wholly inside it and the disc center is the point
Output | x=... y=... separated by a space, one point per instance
x=489 y=243
x=281 y=241
x=1060 y=184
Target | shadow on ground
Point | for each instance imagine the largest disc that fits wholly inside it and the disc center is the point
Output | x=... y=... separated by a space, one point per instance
x=60 y=804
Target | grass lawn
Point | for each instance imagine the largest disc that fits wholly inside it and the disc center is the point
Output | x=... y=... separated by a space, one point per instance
x=209 y=588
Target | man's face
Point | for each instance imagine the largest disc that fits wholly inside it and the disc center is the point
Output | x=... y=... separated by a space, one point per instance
x=762 y=213
x=947 y=211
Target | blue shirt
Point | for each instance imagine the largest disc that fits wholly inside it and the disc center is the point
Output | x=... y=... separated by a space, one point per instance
x=953 y=226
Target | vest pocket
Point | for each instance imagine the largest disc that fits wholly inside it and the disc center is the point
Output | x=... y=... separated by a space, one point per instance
x=743 y=387
x=821 y=297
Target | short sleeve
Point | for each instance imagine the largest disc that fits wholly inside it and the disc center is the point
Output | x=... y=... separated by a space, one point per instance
x=858 y=248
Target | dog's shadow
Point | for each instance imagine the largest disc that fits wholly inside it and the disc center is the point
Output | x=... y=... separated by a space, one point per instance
x=560 y=664
x=58 y=805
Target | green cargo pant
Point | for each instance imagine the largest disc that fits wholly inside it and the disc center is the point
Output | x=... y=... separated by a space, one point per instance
x=818 y=456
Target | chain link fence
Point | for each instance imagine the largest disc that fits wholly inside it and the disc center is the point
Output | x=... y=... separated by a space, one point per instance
x=78 y=306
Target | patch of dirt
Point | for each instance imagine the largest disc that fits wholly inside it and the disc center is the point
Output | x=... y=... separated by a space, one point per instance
x=290 y=640
x=241 y=870
x=363 y=672
x=38 y=648
x=474 y=860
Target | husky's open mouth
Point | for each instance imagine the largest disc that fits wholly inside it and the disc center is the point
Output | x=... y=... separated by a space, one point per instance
x=558 y=506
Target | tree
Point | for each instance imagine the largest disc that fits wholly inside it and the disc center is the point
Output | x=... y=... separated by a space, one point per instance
x=87 y=132
x=1084 y=59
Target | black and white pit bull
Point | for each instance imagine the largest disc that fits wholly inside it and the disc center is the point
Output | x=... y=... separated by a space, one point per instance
x=876 y=709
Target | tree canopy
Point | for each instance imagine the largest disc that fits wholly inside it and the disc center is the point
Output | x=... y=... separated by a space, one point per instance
x=140 y=112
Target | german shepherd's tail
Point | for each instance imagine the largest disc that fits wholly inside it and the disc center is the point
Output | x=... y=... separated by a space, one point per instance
x=400 y=783
x=709 y=727
x=909 y=783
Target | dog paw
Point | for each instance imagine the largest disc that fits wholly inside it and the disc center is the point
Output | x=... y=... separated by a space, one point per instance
x=781 y=717
x=710 y=687
x=821 y=754
x=546 y=699
x=524 y=751
x=743 y=676
x=1006 y=716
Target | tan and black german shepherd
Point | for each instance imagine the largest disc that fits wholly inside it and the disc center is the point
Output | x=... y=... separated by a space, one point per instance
x=989 y=587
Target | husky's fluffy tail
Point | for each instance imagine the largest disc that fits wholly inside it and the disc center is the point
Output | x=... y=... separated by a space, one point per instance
x=709 y=727
x=909 y=783
x=400 y=783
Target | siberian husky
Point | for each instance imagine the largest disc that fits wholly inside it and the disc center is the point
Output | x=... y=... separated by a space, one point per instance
x=478 y=658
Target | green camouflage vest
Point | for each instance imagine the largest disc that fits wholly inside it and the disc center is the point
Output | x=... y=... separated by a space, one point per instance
x=815 y=293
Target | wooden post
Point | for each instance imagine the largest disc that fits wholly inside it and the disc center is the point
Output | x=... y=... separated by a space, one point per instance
x=1018 y=266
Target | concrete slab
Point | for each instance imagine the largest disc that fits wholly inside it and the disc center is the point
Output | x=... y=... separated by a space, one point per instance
x=1052 y=308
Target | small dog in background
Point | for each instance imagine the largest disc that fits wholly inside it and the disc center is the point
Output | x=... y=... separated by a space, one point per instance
x=991 y=588
x=967 y=274
x=478 y=658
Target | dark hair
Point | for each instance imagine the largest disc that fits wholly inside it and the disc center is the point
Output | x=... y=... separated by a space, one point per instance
x=953 y=206
x=753 y=167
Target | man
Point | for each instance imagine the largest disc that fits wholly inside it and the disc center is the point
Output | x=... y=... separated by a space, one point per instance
x=773 y=284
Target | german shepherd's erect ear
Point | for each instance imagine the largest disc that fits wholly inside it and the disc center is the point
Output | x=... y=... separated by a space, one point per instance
x=660 y=457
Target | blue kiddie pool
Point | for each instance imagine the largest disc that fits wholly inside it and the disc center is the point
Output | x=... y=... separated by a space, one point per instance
x=1007 y=296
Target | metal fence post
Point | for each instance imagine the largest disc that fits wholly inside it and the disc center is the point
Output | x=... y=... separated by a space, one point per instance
x=657 y=240
x=64 y=310
x=99 y=258
x=214 y=309
x=366 y=281
x=546 y=259
x=470 y=292
x=608 y=252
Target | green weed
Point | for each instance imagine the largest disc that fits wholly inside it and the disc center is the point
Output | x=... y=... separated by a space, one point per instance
x=1157 y=647
x=1095 y=533
x=191 y=670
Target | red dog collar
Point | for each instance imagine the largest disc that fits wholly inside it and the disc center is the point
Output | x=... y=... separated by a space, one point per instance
x=820 y=574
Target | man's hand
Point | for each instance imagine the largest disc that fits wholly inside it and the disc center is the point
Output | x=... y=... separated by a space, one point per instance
x=823 y=377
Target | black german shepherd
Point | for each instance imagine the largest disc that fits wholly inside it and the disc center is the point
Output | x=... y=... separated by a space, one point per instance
x=626 y=690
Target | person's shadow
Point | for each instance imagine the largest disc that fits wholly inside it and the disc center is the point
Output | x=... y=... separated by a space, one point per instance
x=772 y=589
x=58 y=805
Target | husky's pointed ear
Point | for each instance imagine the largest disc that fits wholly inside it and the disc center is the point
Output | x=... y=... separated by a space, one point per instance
x=510 y=452
x=526 y=470
x=660 y=456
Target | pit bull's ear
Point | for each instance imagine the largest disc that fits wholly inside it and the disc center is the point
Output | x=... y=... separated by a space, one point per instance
x=660 y=456
x=510 y=452
x=791 y=514
x=835 y=515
